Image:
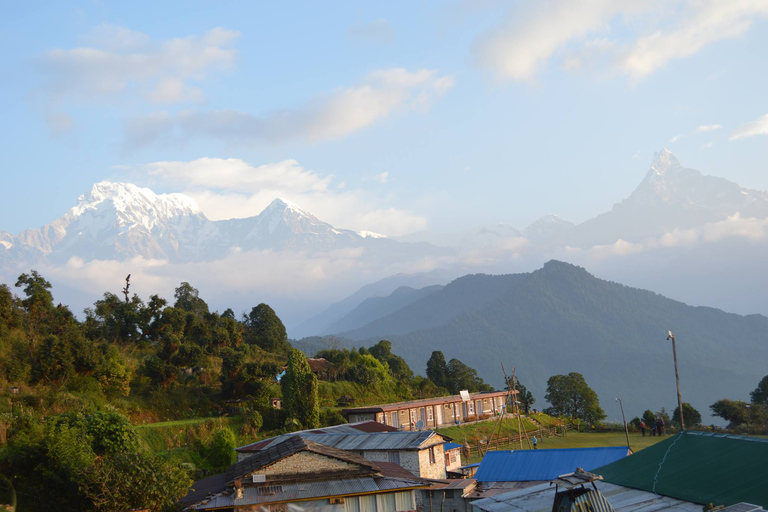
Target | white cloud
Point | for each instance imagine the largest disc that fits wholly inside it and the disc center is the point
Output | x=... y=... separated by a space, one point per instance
x=757 y=127
x=644 y=36
x=116 y=62
x=377 y=31
x=329 y=116
x=703 y=23
x=700 y=129
x=232 y=188
x=526 y=41
x=382 y=177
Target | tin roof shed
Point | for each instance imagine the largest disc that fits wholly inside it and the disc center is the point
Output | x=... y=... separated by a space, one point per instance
x=540 y=465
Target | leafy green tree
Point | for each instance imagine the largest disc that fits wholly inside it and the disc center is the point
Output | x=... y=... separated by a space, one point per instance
x=36 y=288
x=159 y=372
x=242 y=378
x=382 y=350
x=369 y=371
x=571 y=396
x=10 y=315
x=735 y=412
x=112 y=375
x=649 y=417
x=437 y=369
x=299 y=387
x=461 y=376
x=760 y=394
x=188 y=299
x=135 y=480
x=691 y=416
x=264 y=328
x=397 y=365
x=118 y=321
x=54 y=362
x=221 y=453
x=524 y=396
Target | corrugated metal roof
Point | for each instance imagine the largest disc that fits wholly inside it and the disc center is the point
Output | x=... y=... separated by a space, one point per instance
x=527 y=465
x=311 y=490
x=700 y=467
x=290 y=446
x=451 y=446
x=361 y=441
x=540 y=498
x=359 y=427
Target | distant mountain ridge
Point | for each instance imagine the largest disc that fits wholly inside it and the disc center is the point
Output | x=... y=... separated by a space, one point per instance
x=561 y=319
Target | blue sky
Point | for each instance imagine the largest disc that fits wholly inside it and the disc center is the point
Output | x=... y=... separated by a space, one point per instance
x=392 y=118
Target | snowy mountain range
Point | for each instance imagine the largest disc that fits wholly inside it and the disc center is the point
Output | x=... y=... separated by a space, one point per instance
x=118 y=221
x=695 y=238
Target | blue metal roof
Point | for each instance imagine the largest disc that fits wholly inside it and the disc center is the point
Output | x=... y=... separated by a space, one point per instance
x=451 y=446
x=532 y=465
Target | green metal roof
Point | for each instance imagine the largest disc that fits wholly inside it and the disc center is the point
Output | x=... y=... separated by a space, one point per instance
x=698 y=467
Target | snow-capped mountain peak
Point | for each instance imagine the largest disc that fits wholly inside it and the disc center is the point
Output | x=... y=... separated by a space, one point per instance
x=135 y=205
x=663 y=162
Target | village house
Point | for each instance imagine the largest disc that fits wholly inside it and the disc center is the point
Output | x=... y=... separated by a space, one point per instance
x=421 y=452
x=319 y=478
x=433 y=412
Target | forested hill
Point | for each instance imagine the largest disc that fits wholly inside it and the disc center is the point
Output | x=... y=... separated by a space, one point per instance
x=561 y=319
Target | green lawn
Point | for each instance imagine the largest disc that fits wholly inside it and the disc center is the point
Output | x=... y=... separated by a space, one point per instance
x=585 y=440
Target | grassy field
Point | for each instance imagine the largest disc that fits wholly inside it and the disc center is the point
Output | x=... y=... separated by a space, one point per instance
x=583 y=440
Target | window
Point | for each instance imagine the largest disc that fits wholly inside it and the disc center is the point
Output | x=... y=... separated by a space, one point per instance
x=413 y=416
x=430 y=416
x=432 y=455
x=471 y=407
x=394 y=457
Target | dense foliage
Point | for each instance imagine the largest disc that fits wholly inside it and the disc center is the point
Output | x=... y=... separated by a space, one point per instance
x=571 y=396
x=78 y=391
x=745 y=417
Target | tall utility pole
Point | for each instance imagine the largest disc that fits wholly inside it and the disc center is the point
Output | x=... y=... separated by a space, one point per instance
x=626 y=431
x=677 y=378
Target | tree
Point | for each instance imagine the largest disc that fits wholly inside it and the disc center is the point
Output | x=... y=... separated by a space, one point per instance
x=114 y=378
x=649 y=417
x=571 y=396
x=760 y=394
x=735 y=412
x=437 y=369
x=461 y=376
x=299 y=387
x=36 y=289
x=135 y=480
x=221 y=453
x=188 y=299
x=265 y=329
x=382 y=350
x=691 y=416
x=524 y=396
